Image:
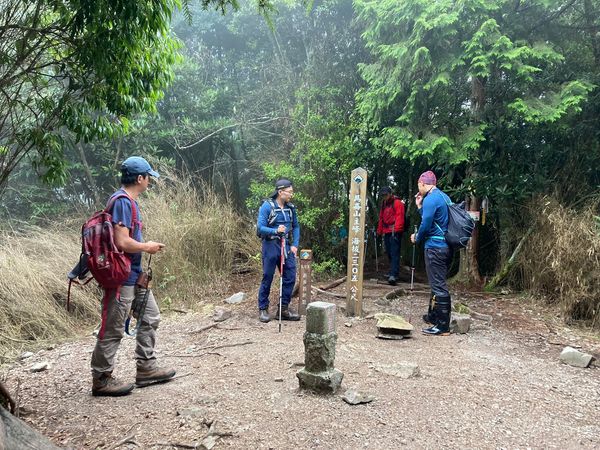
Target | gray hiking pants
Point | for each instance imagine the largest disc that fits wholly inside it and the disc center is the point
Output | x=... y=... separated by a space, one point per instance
x=114 y=313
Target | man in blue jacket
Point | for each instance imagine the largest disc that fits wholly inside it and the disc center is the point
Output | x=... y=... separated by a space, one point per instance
x=278 y=226
x=432 y=204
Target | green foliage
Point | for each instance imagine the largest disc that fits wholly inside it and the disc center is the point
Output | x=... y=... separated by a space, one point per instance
x=80 y=69
x=327 y=268
x=501 y=99
x=477 y=89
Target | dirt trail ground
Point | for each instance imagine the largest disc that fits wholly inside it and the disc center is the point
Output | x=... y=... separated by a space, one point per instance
x=500 y=386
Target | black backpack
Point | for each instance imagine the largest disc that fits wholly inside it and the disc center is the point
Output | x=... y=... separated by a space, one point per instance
x=460 y=226
x=273 y=214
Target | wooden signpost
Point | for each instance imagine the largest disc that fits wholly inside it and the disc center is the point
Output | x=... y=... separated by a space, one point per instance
x=304 y=293
x=356 y=242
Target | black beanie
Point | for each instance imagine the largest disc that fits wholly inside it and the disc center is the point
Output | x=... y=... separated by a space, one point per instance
x=282 y=183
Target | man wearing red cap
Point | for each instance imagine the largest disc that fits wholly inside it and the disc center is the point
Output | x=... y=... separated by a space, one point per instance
x=432 y=204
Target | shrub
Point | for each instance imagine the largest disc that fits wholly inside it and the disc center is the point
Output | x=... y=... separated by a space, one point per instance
x=561 y=259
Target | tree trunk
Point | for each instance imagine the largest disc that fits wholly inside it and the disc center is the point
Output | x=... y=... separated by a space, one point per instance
x=506 y=269
x=469 y=264
x=16 y=434
x=118 y=142
x=592 y=29
x=93 y=188
x=473 y=263
x=235 y=176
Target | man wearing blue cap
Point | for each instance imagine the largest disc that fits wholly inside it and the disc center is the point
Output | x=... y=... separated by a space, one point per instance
x=278 y=227
x=127 y=222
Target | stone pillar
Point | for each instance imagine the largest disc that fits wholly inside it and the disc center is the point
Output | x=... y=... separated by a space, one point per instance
x=318 y=374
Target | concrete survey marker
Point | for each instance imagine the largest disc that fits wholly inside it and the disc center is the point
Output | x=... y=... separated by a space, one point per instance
x=318 y=374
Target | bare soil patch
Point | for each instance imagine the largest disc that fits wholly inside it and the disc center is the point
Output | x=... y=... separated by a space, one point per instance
x=500 y=386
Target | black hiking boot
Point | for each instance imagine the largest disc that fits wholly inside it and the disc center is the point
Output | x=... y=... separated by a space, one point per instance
x=430 y=316
x=263 y=316
x=428 y=319
x=108 y=386
x=392 y=280
x=441 y=310
x=288 y=314
x=435 y=331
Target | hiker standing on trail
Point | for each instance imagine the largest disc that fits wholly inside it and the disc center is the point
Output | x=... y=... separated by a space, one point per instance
x=391 y=226
x=432 y=204
x=135 y=177
x=278 y=224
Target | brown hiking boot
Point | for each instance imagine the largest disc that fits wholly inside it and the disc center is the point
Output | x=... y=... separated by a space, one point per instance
x=144 y=377
x=108 y=386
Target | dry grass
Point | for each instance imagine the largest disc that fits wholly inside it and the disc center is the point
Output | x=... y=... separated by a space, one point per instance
x=206 y=241
x=561 y=260
x=33 y=287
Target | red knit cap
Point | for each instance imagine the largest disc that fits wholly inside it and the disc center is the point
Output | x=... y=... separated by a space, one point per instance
x=428 y=178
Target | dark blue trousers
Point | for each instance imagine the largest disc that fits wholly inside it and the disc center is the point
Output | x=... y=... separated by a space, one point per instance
x=392 y=248
x=271 y=259
x=437 y=263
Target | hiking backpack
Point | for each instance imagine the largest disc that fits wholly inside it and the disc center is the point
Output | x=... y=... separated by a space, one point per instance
x=460 y=226
x=109 y=266
x=273 y=214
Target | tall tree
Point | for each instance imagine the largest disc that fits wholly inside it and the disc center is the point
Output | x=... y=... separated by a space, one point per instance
x=461 y=85
x=74 y=70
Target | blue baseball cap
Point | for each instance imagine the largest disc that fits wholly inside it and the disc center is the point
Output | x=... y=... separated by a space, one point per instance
x=136 y=165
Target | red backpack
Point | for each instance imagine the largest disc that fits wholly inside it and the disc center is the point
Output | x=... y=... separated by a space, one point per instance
x=99 y=254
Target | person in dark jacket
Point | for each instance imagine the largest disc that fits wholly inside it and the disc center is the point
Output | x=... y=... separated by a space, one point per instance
x=391 y=227
x=432 y=204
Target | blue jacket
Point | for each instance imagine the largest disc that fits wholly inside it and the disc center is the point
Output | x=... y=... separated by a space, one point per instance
x=434 y=219
x=283 y=216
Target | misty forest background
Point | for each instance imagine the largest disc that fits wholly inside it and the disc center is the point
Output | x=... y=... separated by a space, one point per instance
x=500 y=98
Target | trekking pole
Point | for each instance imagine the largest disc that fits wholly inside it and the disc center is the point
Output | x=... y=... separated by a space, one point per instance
x=281 y=279
x=141 y=309
x=376 y=258
x=412 y=278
